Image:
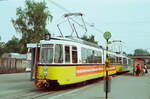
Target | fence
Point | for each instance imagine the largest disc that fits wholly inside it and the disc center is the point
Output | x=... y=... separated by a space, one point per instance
x=11 y=65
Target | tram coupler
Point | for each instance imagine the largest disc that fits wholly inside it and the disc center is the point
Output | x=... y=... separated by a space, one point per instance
x=41 y=83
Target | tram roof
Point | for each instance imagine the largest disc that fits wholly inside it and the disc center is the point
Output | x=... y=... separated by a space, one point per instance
x=69 y=38
x=140 y=56
x=77 y=40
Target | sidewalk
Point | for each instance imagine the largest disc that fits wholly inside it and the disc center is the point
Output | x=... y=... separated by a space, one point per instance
x=124 y=86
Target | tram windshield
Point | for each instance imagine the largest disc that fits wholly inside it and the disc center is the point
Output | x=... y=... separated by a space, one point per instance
x=46 y=55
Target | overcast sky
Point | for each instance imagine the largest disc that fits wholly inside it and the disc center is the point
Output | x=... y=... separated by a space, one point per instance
x=127 y=20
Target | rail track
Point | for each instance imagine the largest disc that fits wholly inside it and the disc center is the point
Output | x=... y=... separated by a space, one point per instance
x=38 y=93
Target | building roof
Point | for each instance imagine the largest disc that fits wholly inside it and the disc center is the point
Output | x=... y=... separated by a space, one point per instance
x=14 y=55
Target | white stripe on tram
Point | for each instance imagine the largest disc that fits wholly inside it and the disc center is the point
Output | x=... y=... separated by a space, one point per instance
x=89 y=70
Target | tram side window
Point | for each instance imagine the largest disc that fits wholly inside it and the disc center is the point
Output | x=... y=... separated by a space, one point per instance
x=67 y=54
x=95 y=58
x=120 y=60
x=90 y=56
x=129 y=62
x=84 y=55
x=46 y=54
x=112 y=58
x=98 y=57
x=58 y=53
x=117 y=59
x=124 y=61
x=74 y=55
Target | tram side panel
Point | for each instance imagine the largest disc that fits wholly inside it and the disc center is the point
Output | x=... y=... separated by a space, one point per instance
x=113 y=68
x=65 y=74
x=70 y=74
x=78 y=74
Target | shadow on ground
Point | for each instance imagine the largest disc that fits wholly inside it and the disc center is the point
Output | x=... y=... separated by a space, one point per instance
x=66 y=87
x=128 y=74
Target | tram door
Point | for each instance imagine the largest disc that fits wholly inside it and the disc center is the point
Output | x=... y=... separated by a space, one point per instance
x=35 y=60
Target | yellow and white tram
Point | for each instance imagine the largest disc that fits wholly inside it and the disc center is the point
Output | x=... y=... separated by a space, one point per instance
x=65 y=60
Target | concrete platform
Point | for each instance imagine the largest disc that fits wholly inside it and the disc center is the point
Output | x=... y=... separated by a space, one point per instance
x=124 y=86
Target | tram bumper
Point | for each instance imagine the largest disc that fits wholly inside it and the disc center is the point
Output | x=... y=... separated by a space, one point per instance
x=41 y=83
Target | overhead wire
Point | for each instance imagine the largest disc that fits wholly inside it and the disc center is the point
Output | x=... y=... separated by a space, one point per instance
x=59 y=6
x=66 y=10
x=87 y=23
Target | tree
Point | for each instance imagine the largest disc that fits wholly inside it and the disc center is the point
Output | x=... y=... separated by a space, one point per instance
x=12 y=46
x=1 y=48
x=31 y=22
x=124 y=53
x=1 y=51
x=141 y=52
x=89 y=39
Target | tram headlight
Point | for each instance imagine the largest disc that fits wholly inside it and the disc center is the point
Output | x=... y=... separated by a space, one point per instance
x=45 y=68
x=45 y=74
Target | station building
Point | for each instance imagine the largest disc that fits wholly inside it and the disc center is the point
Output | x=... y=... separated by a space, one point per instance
x=140 y=59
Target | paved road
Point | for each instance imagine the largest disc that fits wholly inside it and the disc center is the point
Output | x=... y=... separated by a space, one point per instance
x=126 y=86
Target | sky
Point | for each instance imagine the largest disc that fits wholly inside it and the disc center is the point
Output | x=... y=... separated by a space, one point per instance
x=127 y=20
